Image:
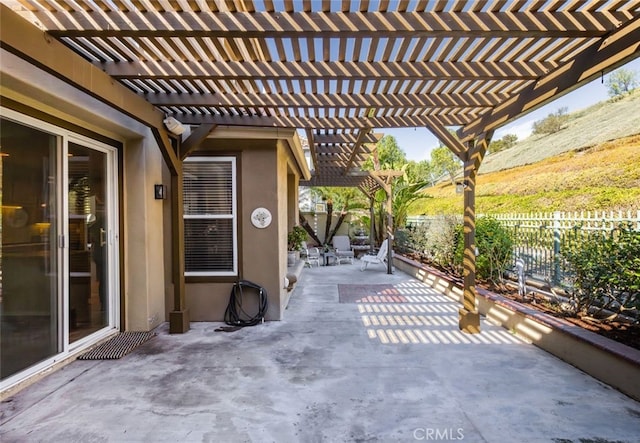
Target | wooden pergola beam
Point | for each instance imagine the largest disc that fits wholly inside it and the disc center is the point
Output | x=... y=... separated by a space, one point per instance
x=390 y=24
x=319 y=70
x=447 y=138
x=194 y=139
x=616 y=49
x=312 y=147
x=25 y=40
x=344 y=138
x=453 y=119
x=355 y=150
x=316 y=101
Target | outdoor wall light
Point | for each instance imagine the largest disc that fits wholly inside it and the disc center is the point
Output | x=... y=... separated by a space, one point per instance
x=174 y=126
x=159 y=192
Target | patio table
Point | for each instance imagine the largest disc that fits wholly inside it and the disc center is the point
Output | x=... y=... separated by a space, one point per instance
x=327 y=256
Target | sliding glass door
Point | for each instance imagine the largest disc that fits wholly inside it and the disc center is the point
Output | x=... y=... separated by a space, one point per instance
x=29 y=259
x=89 y=240
x=58 y=243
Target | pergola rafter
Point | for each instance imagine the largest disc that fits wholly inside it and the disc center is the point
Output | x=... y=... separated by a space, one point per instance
x=180 y=23
x=127 y=68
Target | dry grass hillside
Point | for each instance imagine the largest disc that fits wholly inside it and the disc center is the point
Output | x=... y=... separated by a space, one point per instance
x=602 y=122
x=602 y=177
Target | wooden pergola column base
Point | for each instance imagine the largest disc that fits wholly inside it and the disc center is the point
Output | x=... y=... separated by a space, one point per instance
x=469 y=321
x=179 y=322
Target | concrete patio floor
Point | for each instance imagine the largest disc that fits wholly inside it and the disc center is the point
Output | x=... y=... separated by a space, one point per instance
x=386 y=369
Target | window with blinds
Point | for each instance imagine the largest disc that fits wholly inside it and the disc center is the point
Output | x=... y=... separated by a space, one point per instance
x=209 y=189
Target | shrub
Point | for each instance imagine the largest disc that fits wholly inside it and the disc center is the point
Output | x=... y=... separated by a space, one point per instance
x=552 y=123
x=606 y=272
x=443 y=239
x=434 y=241
x=295 y=237
x=441 y=243
x=495 y=248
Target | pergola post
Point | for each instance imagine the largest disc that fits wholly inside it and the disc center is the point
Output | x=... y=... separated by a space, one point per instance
x=471 y=156
x=372 y=214
x=179 y=317
x=468 y=316
x=179 y=321
x=384 y=179
x=389 y=211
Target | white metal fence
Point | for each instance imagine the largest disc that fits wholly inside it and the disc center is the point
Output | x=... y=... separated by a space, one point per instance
x=539 y=238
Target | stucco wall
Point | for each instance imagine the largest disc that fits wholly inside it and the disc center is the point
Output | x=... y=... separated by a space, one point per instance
x=144 y=243
x=262 y=183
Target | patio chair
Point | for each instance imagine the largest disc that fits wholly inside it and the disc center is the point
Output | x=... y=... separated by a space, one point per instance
x=381 y=257
x=313 y=256
x=342 y=246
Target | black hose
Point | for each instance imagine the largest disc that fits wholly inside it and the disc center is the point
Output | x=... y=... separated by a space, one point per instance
x=234 y=311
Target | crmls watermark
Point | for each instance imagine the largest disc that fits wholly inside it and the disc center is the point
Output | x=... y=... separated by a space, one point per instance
x=438 y=434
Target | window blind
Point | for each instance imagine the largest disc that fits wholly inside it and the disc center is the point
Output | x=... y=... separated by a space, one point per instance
x=209 y=194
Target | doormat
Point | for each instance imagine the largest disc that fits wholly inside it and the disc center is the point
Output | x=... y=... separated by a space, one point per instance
x=118 y=346
x=370 y=294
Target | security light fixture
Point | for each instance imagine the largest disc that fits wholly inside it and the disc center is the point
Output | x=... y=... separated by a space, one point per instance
x=174 y=126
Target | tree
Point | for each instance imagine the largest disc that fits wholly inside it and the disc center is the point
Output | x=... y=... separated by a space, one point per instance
x=405 y=193
x=387 y=155
x=340 y=199
x=405 y=189
x=503 y=143
x=420 y=171
x=621 y=82
x=551 y=124
x=509 y=140
x=443 y=161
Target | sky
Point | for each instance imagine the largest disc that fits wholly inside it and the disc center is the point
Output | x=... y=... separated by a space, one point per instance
x=417 y=143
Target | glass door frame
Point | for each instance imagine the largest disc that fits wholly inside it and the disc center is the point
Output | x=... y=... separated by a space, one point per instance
x=63 y=138
x=113 y=239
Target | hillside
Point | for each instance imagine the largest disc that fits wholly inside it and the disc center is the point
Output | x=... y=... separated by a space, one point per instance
x=603 y=177
x=602 y=122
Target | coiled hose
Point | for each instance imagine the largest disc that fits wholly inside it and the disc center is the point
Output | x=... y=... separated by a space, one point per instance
x=234 y=315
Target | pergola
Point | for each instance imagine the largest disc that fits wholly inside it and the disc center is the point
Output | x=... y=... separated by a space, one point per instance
x=339 y=70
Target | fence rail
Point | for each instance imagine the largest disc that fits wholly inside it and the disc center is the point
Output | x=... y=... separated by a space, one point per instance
x=539 y=238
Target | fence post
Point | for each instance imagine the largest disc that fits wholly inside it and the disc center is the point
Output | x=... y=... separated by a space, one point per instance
x=555 y=278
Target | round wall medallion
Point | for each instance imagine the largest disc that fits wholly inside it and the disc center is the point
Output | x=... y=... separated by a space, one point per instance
x=261 y=217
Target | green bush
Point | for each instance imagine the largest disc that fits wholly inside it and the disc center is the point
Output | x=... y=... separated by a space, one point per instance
x=295 y=237
x=552 y=123
x=440 y=242
x=434 y=241
x=495 y=248
x=606 y=273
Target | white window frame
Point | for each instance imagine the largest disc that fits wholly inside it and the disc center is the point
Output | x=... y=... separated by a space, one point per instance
x=233 y=216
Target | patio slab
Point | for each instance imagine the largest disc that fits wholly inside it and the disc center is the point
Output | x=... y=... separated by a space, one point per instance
x=329 y=372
